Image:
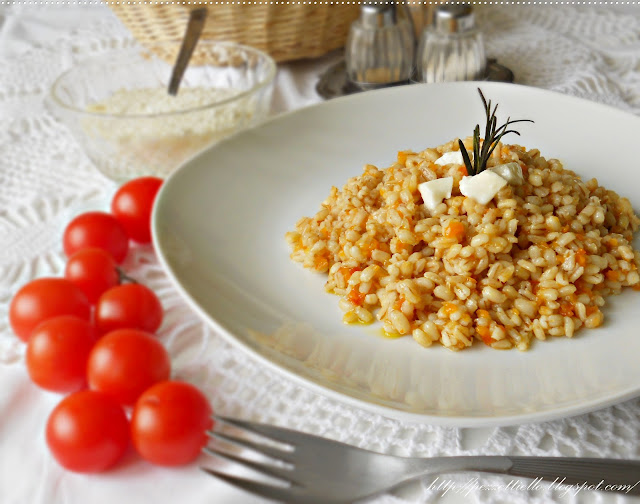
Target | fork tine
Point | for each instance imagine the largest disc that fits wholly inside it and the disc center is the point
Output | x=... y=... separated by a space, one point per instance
x=280 y=434
x=269 y=491
x=282 y=474
x=269 y=451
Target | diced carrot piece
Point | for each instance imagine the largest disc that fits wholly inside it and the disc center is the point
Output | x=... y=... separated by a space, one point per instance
x=591 y=310
x=613 y=275
x=355 y=296
x=449 y=308
x=485 y=334
x=321 y=263
x=455 y=229
x=566 y=309
x=402 y=156
x=347 y=272
x=401 y=246
x=581 y=257
x=483 y=313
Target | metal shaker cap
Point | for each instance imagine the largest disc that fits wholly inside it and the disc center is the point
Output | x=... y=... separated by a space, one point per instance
x=453 y=18
x=373 y=15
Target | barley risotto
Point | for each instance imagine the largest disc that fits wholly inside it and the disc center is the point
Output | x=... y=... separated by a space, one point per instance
x=535 y=261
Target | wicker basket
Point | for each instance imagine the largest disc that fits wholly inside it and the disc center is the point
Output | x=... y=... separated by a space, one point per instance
x=286 y=32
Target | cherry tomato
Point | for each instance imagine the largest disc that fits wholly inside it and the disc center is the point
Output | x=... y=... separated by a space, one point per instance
x=169 y=422
x=132 y=206
x=125 y=363
x=43 y=299
x=57 y=353
x=87 y=432
x=93 y=270
x=99 y=230
x=128 y=306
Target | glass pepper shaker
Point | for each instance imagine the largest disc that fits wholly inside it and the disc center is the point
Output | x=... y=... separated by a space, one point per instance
x=451 y=48
x=380 y=48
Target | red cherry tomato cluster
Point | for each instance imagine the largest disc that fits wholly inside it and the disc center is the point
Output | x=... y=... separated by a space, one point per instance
x=92 y=336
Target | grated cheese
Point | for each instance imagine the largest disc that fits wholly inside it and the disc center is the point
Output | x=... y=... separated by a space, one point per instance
x=144 y=142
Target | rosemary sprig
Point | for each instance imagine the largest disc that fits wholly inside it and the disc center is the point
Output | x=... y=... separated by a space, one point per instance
x=492 y=136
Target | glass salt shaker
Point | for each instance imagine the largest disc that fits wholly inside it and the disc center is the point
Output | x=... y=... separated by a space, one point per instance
x=380 y=47
x=451 y=48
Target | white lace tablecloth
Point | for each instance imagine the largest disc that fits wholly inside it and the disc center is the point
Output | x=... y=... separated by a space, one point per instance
x=589 y=51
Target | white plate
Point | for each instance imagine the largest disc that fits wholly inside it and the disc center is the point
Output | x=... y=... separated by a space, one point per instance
x=219 y=226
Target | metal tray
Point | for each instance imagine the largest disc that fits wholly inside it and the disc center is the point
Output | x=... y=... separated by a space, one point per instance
x=334 y=81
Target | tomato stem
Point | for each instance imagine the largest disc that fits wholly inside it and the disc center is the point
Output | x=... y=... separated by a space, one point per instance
x=124 y=277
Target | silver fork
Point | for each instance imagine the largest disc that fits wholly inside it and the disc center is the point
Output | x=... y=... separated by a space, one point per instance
x=311 y=469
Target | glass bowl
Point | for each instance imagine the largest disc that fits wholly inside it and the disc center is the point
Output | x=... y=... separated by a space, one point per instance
x=117 y=105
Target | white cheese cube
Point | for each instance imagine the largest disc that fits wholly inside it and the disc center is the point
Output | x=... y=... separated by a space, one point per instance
x=454 y=157
x=434 y=191
x=511 y=172
x=483 y=186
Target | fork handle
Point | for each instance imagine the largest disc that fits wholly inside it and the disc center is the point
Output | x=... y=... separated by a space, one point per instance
x=613 y=475
x=588 y=473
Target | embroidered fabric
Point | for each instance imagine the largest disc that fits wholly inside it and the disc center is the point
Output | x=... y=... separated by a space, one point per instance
x=45 y=178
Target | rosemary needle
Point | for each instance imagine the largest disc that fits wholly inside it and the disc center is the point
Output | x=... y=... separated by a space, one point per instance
x=492 y=136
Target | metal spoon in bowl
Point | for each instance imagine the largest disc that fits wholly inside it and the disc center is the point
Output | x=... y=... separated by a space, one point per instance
x=197 y=17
